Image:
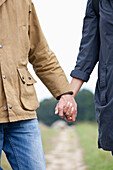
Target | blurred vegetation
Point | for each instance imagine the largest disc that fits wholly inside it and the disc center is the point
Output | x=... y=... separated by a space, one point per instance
x=86 y=108
x=95 y=159
x=47 y=135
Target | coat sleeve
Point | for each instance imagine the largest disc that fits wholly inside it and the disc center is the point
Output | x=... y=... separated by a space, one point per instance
x=44 y=61
x=89 y=47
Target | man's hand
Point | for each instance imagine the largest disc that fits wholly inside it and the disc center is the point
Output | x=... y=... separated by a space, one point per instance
x=67 y=107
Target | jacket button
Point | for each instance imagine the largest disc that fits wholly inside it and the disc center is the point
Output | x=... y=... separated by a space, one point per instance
x=29 y=78
x=0 y=46
x=10 y=107
x=5 y=108
x=22 y=77
x=4 y=77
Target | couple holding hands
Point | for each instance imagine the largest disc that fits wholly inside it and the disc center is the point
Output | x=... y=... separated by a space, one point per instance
x=22 y=40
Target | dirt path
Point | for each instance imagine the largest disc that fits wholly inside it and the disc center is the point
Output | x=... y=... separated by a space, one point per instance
x=67 y=154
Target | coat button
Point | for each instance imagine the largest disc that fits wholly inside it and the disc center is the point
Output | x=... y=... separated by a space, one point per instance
x=29 y=78
x=22 y=77
x=4 y=77
x=0 y=46
x=10 y=107
x=5 y=108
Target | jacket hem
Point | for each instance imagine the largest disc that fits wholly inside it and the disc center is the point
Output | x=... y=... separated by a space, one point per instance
x=4 y=121
x=105 y=147
x=20 y=118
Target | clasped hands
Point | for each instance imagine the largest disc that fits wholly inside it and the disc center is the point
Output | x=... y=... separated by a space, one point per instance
x=67 y=108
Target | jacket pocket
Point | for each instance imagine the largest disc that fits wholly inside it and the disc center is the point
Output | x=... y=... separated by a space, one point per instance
x=103 y=85
x=28 y=96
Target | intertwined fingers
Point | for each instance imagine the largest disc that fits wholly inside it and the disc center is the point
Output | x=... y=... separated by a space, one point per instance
x=72 y=116
x=67 y=107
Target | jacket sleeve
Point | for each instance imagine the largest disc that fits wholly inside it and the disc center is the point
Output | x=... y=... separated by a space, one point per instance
x=89 y=48
x=44 y=61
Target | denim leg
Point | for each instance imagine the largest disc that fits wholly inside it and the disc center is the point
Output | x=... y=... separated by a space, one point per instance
x=1 y=140
x=23 y=145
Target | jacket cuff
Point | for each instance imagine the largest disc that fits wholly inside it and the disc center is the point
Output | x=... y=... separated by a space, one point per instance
x=80 y=75
x=71 y=93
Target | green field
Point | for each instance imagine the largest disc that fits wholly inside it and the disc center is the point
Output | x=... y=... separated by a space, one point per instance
x=94 y=158
x=47 y=137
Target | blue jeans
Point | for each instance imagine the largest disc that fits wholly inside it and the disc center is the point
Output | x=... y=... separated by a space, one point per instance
x=21 y=142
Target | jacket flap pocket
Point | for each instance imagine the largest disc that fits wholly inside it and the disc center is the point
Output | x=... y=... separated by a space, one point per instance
x=26 y=76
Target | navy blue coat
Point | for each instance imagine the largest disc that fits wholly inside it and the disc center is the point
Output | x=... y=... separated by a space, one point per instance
x=97 y=46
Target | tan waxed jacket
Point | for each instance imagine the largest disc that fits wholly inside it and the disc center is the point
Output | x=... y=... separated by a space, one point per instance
x=22 y=40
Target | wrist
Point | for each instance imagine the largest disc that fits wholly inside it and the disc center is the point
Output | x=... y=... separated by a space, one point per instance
x=76 y=85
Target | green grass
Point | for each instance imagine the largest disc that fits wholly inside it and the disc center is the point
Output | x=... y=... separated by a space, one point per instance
x=47 y=135
x=4 y=163
x=94 y=158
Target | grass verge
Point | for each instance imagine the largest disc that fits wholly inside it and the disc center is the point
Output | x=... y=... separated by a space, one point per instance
x=47 y=135
x=95 y=159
